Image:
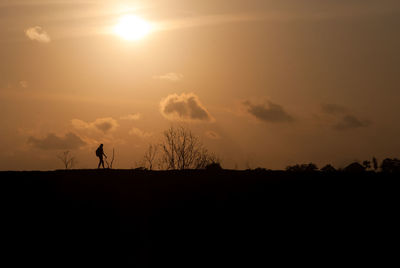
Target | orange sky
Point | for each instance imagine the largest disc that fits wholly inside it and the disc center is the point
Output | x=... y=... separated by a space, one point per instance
x=263 y=83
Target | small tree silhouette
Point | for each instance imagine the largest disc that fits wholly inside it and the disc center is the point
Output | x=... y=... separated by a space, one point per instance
x=181 y=149
x=149 y=157
x=110 y=164
x=67 y=159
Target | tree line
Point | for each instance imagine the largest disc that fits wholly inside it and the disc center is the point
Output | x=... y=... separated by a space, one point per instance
x=388 y=165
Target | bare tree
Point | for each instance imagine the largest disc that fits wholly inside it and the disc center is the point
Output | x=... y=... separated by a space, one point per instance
x=181 y=149
x=67 y=159
x=169 y=149
x=110 y=164
x=149 y=157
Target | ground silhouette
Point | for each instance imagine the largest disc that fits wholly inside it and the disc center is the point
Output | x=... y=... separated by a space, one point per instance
x=198 y=218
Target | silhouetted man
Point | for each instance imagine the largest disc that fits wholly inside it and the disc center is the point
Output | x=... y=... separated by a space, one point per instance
x=99 y=154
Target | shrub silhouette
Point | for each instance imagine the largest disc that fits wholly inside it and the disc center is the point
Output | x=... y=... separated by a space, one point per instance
x=213 y=166
x=260 y=169
x=328 y=168
x=354 y=168
x=391 y=165
x=302 y=168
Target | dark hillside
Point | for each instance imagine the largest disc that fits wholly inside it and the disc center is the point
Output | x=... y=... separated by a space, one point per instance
x=192 y=217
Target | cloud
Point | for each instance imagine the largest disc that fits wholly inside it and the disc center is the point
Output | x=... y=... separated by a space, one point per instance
x=350 y=122
x=107 y=124
x=173 y=77
x=54 y=142
x=23 y=84
x=212 y=135
x=140 y=133
x=330 y=108
x=186 y=107
x=269 y=112
x=131 y=117
x=37 y=34
x=345 y=120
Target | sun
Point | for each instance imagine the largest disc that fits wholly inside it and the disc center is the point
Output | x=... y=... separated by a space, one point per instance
x=132 y=28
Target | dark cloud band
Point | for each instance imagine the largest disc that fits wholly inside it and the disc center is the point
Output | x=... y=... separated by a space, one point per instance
x=54 y=142
x=269 y=112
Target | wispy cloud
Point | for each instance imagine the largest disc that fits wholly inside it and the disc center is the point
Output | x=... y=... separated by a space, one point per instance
x=13 y=3
x=102 y=13
x=131 y=117
x=107 y=124
x=272 y=15
x=351 y=122
x=37 y=34
x=23 y=84
x=345 y=120
x=140 y=133
x=173 y=77
x=213 y=135
x=210 y=20
x=332 y=108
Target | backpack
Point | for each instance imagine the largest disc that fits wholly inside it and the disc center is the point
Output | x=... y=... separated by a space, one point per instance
x=98 y=152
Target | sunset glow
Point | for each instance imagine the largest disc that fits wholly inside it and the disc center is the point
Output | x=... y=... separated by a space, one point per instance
x=132 y=28
x=260 y=84
x=201 y=132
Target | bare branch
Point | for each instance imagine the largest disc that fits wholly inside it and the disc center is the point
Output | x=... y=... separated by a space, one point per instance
x=67 y=159
x=181 y=149
x=110 y=164
x=150 y=156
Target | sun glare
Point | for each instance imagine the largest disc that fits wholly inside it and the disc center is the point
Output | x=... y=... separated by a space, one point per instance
x=132 y=28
